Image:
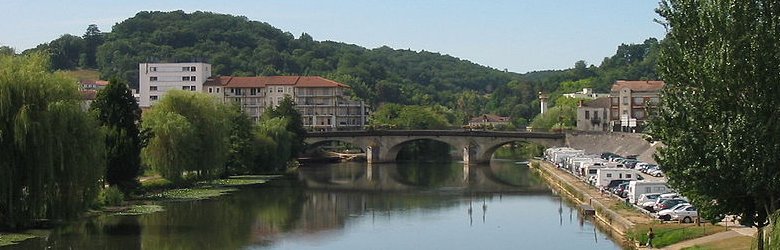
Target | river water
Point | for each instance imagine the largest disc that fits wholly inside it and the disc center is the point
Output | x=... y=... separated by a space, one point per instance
x=356 y=206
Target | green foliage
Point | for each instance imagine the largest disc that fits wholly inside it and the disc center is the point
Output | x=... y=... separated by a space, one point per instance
x=14 y=238
x=240 y=152
x=286 y=110
x=719 y=111
x=51 y=151
x=111 y=196
x=558 y=117
x=189 y=137
x=119 y=114
x=274 y=145
x=397 y=116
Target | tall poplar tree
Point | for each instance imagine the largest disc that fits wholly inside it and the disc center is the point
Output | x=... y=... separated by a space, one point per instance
x=720 y=112
x=119 y=114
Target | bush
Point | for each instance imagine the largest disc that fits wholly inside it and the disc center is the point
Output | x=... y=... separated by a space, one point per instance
x=111 y=196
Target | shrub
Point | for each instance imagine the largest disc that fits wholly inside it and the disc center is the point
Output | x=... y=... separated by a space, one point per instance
x=111 y=196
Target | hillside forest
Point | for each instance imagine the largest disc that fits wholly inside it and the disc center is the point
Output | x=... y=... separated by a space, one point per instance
x=455 y=88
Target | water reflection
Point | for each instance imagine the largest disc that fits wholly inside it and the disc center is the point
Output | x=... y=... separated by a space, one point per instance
x=354 y=206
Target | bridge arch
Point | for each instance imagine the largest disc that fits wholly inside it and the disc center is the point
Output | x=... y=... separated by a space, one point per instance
x=394 y=150
x=473 y=146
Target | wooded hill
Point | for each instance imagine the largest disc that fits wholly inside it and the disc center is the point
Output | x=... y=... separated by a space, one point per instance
x=237 y=46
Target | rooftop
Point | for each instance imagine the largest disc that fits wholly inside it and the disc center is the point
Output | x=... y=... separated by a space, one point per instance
x=642 y=86
x=262 y=81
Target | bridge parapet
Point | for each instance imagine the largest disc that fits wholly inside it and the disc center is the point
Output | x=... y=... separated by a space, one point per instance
x=475 y=146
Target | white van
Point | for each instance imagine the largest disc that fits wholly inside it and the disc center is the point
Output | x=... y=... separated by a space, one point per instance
x=606 y=175
x=637 y=188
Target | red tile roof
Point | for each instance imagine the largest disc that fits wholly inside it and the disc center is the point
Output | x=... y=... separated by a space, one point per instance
x=642 y=86
x=262 y=81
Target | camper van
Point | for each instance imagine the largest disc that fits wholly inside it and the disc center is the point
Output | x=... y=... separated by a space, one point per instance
x=605 y=175
x=637 y=188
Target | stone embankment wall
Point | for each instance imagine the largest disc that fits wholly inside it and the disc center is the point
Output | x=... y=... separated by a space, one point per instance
x=557 y=180
x=619 y=143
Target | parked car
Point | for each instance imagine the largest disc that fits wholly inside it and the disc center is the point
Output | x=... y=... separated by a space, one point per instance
x=656 y=173
x=668 y=203
x=666 y=214
x=620 y=189
x=647 y=198
x=687 y=215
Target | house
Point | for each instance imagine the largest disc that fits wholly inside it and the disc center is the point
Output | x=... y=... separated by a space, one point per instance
x=323 y=103
x=489 y=120
x=593 y=115
x=630 y=102
x=92 y=84
x=586 y=93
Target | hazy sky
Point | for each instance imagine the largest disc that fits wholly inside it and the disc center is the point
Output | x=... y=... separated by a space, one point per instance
x=521 y=35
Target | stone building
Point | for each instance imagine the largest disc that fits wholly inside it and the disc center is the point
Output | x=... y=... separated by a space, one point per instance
x=630 y=103
x=593 y=115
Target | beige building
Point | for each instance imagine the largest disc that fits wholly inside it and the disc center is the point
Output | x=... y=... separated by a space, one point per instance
x=593 y=115
x=323 y=103
x=155 y=79
x=629 y=104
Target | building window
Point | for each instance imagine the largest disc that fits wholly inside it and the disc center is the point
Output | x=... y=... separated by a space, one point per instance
x=209 y=89
x=289 y=89
x=625 y=100
x=153 y=98
x=639 y=101
x=252 y=91
x=587 y=114
x=193 y=88
x=615 y=101
x=152 y=78
x=638 y=114
x=628 y=176
x=152 y=88
x=596 y=114
x=152 y=68
x=192 y=78
x=185 y=87
x=270 y=89
x=231 y=90
x=238 y=91
x=185 y=78
x=609 y=175
x=217 y=90
x=279 y=89
x=188 y=68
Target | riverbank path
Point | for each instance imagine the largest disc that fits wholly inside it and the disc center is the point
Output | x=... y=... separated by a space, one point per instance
x=731 y=233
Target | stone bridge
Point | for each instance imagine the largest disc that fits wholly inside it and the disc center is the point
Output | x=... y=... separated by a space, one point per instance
x=475 y=147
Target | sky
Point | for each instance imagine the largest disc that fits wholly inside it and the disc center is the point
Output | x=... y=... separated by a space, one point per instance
x=520 y=36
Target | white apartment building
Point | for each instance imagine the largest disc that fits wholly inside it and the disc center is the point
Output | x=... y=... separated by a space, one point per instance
x=157 y=78
x=323 y=104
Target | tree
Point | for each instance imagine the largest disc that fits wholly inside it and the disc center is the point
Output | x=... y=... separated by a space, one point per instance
x=93 y=38
x=558 y=117
x=719 y=115
x=119 y=114
x=275 y=144
x=189 y=137
x=286 y=109
x=241 y=150
x=66 y=51
x=51 y=151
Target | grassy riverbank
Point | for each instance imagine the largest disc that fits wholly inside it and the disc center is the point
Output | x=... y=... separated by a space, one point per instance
x=630 y=224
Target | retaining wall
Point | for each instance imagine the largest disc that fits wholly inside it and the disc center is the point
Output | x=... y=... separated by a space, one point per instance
x=619 y=143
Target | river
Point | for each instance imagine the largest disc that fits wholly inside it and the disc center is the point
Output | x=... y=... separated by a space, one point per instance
x=355 y=206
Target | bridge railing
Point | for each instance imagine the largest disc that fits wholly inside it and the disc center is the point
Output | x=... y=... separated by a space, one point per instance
x=462 y=132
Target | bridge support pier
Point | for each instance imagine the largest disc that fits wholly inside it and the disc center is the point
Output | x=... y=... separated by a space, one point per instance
x=372 y=154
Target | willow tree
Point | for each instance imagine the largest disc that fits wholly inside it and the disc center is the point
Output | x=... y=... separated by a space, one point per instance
x=51 y=150
x=189 y=136
x=720 y=111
